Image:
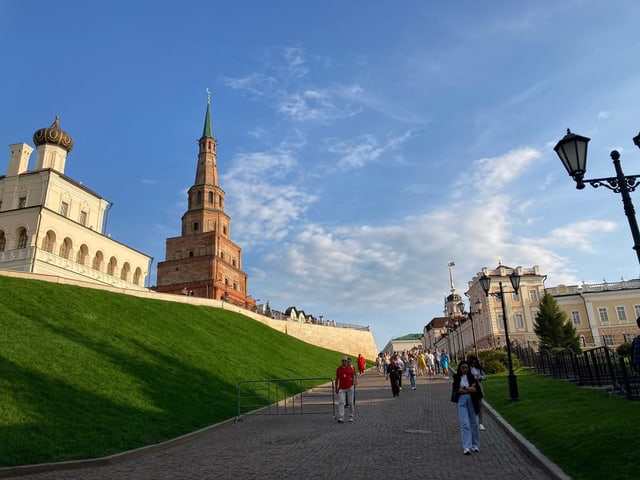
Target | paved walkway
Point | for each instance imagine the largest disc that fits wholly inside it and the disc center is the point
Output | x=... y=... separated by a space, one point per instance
x=415 y=435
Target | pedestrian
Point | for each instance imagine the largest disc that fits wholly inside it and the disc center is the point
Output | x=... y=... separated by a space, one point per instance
x=412 y=368
x=354 y=387
x=431 y=365
x=387 y=361
x=436 y=360
x=362 y=363
x=345 y=387
x=393 y=372
x=400 y=367
x=466 y=393
x=480 y=376
x=444 y=363
x=380 y=364
x=422 y=364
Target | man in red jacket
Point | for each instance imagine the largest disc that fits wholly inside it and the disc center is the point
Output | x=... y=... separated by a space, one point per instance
x=345 y=383
x=362 y=364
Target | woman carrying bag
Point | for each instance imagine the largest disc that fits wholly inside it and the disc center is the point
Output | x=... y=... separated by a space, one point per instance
x=467 y=394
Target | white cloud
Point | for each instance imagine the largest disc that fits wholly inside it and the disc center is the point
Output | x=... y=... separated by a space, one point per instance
x=365 y=149
x=254 y=83
x=313 y=105
x=266 y=204
x=578 y=235
x=496 y=172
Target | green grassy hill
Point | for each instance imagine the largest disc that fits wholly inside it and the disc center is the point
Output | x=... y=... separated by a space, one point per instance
x=86 y=373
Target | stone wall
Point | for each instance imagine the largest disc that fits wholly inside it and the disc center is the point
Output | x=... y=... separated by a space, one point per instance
x=344 y=340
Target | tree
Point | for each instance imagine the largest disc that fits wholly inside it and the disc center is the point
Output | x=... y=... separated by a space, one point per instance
x=553 y=328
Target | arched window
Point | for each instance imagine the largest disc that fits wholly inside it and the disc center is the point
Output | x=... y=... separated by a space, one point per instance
x=98 y=260
x=210 y=197
x=49 y=241
x=65 y=248
x=111 y=268
x=3 y=241
x=137 y=276
x=199 y=197
x=126 y=270
x=83 y=254
x=22 y=238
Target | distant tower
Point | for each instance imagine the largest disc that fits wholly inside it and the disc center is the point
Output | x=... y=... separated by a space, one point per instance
x=203 y=260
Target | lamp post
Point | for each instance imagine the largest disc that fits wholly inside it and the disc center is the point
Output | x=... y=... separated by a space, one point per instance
x=572 y=150
x=458 y=326
x=485 y=282
x=448 y=329
x=462 y=317
x=471 y=313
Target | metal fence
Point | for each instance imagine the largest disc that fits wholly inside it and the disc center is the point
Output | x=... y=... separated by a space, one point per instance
x=286 y=396
x=597 y=367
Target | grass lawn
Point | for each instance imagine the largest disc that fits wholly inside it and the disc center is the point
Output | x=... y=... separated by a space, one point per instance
x=86 y=373
x=587 y=433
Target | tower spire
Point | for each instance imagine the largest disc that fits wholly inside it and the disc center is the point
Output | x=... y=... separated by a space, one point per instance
x=453 y=288
x=208 y=131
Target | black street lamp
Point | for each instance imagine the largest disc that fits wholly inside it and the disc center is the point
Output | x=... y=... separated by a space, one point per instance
x=457 y=326
x=572 y=150
x=471 y=313
x=485 y=282
x=448 y=328
x=462 y=316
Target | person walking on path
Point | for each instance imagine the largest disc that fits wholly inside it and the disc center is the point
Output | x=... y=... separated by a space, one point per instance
x=345 y=387
x=393 y=372
x=431 y=365
x=380 y=364
x=400 y=368
x=466 y=393
x=412 y=372
x=422 y=364
x=387 y=362
x=480 y=376
x=362 y=363
x=444 y=363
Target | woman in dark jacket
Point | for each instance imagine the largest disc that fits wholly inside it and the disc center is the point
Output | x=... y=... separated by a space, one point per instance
x=467 y=394
x=394 y=373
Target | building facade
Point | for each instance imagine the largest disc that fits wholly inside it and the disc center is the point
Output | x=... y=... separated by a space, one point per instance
x=482 y=323
x=52 y=224
x=603 y=313
x=203 y=260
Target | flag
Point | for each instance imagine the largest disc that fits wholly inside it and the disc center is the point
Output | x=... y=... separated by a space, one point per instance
x=452 y=264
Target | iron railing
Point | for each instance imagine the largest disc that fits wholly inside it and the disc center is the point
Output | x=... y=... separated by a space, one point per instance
x=596 y=367
x=286 y=396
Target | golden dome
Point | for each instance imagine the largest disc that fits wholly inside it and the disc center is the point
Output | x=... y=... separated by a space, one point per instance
x=53 y=135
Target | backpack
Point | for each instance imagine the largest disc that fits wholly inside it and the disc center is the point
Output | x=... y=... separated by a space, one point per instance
x=635 y=353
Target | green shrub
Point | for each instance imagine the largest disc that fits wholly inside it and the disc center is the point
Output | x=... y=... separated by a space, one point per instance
x=624 y=349
x=496 y=361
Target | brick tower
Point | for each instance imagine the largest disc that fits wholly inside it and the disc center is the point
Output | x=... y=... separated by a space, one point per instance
x=203 y=261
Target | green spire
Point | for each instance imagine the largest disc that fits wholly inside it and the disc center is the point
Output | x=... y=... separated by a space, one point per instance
x=208 y=131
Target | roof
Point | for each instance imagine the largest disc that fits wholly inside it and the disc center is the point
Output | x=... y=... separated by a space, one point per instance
x=207 y=131
x=411 y=336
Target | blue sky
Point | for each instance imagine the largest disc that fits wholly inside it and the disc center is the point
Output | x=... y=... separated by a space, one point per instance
x=362 y=145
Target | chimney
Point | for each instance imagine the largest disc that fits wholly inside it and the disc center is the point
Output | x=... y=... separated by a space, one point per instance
x=19 y=159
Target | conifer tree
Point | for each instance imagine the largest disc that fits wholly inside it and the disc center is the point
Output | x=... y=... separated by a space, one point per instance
x=552 y=326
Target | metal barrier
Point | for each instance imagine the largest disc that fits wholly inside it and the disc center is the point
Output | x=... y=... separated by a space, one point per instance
x=286 y=396
x=597 y=367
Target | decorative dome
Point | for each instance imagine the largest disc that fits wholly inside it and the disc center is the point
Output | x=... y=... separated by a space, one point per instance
x=454 y=297
x=53 y=135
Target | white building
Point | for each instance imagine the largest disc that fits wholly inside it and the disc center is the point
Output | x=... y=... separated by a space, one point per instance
x=51 y=224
